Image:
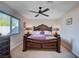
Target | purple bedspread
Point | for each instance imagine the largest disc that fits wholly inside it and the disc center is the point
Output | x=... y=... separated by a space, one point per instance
x=41 y=37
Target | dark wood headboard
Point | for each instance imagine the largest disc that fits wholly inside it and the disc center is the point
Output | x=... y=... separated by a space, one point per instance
x=42 y=27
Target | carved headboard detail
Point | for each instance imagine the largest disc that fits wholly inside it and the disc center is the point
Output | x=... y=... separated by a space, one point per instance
x=42 y=27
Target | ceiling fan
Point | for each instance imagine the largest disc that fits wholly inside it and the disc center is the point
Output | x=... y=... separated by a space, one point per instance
x=40 y=12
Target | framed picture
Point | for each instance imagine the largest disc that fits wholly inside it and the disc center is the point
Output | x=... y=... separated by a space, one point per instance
x=69 y=21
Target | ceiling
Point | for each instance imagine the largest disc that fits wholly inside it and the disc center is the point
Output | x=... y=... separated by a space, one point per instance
x=56 y=8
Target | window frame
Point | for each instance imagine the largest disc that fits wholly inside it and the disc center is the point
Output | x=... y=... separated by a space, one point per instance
x=11 y=16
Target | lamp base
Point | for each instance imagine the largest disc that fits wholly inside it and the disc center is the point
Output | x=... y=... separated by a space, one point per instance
x=56 y=34
x=28 y=33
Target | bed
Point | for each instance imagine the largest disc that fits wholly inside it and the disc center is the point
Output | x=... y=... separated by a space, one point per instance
x=43 y=41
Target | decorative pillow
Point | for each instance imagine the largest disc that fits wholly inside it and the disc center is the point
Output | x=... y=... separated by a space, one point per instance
x=38 y=37
x=36 y=32
x=42 y=32
x=48 y=33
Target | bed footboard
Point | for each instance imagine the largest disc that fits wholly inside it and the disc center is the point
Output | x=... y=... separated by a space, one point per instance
x=53 y=44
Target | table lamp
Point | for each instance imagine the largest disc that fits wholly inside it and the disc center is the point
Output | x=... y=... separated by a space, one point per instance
x=28 y=29
x=56 y=31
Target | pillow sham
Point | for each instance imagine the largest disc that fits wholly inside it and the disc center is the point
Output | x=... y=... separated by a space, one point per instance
x=36 y=32
x=47 y=33
x=42 y=32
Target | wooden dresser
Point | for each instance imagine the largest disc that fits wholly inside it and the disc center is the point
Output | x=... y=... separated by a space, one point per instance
x=5 y=47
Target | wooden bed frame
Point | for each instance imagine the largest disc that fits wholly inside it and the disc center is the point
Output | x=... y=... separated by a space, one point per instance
x=53 y=44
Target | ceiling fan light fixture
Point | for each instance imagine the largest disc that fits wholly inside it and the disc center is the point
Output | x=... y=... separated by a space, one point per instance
x=41 y=12
x=40 y=7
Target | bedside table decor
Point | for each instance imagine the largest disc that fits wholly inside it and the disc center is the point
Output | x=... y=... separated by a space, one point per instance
x=28 y=29
x=56 y=32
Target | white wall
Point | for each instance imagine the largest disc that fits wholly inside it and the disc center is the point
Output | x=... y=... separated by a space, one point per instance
x=15 y=39
x=70 y=33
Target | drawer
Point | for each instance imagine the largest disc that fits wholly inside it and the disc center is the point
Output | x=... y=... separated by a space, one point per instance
x=3 y=39
x=49 y=45
x=3 y=43
x=31 y=44
x=5 y=55
x=4 y=48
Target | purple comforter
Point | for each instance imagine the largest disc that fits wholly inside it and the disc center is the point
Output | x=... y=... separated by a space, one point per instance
x=41 y=37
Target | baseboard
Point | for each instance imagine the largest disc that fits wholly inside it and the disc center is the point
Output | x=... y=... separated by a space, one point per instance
x=15 y=46
x=69 y=49
x=66 y=45
x=75 y=54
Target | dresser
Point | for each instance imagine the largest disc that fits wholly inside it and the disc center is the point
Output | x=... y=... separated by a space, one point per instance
x=4 y=46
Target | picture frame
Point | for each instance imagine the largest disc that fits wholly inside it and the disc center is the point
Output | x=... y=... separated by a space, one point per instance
x=69 y=21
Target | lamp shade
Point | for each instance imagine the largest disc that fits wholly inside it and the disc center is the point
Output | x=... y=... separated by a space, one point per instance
x=28 y=28
x=56 y=29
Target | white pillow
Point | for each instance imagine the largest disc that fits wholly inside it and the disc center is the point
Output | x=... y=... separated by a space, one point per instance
x=47 y=33
x=36 y=32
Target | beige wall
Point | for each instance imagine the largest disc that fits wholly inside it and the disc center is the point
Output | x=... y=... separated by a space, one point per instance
x=36 y=22
x=70 y=33
x=15 y=39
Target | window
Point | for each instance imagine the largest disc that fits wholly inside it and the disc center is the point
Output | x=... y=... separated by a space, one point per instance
x=15 y=26
x=8 y=24
x=4 y=24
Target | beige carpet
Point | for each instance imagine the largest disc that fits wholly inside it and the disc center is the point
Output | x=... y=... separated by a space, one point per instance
x=18 y=53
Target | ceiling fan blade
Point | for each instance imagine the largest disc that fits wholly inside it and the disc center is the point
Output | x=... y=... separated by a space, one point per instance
x=37 y=15
x=45 y=15
x=45 y=10
x=33 y=11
